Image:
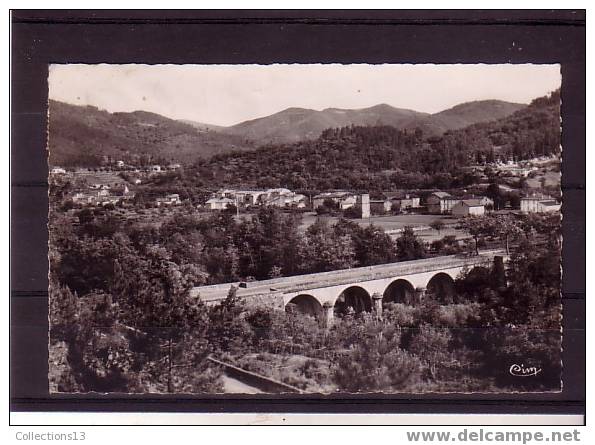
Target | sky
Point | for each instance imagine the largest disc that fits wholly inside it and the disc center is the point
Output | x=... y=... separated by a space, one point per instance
x=229 y=94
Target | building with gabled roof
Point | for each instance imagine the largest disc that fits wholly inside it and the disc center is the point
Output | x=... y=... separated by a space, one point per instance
x=469 y=207
x=219 y=203
x=441 y=202
x=539 y=204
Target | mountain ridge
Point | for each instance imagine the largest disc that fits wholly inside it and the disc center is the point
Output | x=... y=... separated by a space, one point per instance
x=84 y=135
x=295 y=123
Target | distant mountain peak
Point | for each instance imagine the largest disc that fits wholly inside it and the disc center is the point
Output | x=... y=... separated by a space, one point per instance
x=296 y=110
x=381 y=106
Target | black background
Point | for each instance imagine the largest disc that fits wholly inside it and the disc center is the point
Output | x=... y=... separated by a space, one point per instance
x=238 y=37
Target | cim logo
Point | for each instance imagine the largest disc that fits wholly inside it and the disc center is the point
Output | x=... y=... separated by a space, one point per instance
x=523 y=371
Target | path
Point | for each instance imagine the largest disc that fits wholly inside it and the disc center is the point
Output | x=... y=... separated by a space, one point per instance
x=234 y=386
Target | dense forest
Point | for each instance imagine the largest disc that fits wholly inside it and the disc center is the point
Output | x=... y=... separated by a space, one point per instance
x=386 y=158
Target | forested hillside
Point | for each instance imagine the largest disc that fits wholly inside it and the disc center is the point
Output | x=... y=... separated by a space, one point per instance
x=530 y=132
x=384 y=157
x=463 y=115
x=82 y=136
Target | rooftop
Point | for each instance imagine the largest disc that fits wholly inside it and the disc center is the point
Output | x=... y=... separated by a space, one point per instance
x=472 y=202
x=212 y=200
x=334 y=194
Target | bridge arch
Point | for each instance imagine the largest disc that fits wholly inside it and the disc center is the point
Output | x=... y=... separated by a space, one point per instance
x=304 y=304
x=353 y=299
x=441 y=287
x=399 y=291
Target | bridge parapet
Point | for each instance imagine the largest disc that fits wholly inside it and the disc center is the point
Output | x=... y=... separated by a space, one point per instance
x=373 y=273
x=300 y=283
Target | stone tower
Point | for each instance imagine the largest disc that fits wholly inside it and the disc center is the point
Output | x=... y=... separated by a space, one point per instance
x=363 y=203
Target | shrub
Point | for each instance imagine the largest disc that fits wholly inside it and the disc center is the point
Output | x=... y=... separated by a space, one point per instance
x=372 y=358
x=431 y=345
x=458 y=315
x=399 y=314
x=261 y=322
x=366 y=369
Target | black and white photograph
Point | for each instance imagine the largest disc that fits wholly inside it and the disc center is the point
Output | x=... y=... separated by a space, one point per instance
x=305 y=229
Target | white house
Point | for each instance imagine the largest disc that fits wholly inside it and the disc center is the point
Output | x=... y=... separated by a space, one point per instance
x=219 y=203
x=468 y=207
x=441 y=202
x=405 y=202
x=171 y=199
x=83 y=198
x=292 y=200
x=539 y=205
x=344 y=200
x=247 y=197
x=380 y=206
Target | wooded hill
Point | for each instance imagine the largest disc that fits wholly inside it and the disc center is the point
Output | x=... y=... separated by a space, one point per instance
x=83 y=136
x=384 y=157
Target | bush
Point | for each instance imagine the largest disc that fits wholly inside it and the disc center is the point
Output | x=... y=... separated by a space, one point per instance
x=371 y=358
x=399 y=314
x=352 y=213
x=261 y=322
x=364 y=369
x=431 y=345
x=458 y=315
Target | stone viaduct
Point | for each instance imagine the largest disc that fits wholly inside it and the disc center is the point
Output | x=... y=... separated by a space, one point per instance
x=359 y=289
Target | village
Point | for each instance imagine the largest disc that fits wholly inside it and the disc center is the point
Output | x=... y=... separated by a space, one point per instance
x=127 y=192
x=115 y=184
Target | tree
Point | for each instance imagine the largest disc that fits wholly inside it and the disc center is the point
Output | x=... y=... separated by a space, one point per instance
x=534 y=277
x=535 y=225
x=227 y=330
x=437 y=224
x=325 y=250
x=261 y=322
x=409 y=246
x=478 y=226
x=63 y=306
x=494 y=193
x=328 y=207
x=508 y=228
x=371 y=244
x=270 y=244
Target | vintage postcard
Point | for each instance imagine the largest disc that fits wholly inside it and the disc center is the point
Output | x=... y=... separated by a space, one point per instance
x=313 y=229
